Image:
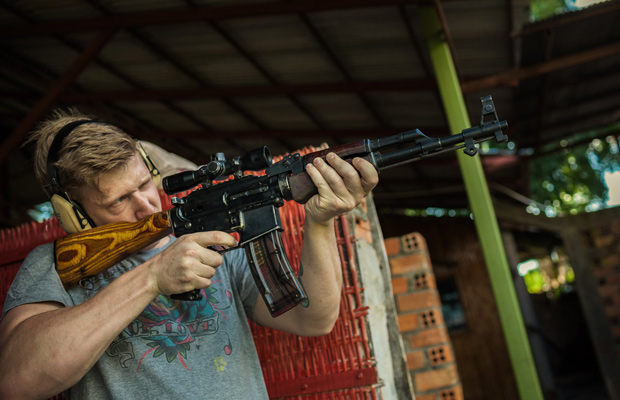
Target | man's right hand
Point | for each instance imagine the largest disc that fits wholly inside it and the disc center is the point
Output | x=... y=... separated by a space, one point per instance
x=188 y=263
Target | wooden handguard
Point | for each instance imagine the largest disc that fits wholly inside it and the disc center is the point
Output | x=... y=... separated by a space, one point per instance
x=302 y=187
x=92 y=251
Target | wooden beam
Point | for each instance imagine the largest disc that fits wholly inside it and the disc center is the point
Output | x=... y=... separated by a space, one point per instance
x=512 y=77
x=509 y=212
x=517 y=214
x=186 y=15
x=65 y=81
x=404 y=85
x=567 y=19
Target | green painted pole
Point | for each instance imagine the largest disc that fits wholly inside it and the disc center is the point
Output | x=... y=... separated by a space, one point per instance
x=484 y=213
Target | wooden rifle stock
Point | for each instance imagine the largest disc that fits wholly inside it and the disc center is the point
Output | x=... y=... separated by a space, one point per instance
x=93 y=251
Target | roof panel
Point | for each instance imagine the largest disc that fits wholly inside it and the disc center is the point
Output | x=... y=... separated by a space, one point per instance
x=133 y=6
x=341 y=111
x=373 y=44
x=277 y=112
x=409 y=110
x=216 y=114
x=319 y=74
x=158 y=115
x=41 y=10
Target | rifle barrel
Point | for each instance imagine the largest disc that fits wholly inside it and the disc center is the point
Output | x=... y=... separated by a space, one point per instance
x=433 y=146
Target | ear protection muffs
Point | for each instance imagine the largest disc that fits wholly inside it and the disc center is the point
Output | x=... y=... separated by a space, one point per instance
x=70 y=213
x=155 y=174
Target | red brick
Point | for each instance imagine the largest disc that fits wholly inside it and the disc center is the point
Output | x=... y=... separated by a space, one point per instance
x=431 y=318
x=413 y=242
x=410 y=263
x=428 y=337
x=436 y=379
x=418 y=300
x=455 y=393
x=416 y=360
x=440 y=355
x=408 y=322
x=392 y=246
x=424 y=280
x=425 y=396
x=400 y=285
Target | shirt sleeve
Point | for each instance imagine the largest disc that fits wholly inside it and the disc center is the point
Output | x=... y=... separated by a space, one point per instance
x=36 y=281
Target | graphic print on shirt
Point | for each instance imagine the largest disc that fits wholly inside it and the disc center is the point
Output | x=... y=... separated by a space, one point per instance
x=169 y=327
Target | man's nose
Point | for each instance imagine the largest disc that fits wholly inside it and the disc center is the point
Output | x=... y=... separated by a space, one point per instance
x=143 y=206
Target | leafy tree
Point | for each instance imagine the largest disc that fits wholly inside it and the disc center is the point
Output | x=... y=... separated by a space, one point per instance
x=542 y=9
x=572 y=180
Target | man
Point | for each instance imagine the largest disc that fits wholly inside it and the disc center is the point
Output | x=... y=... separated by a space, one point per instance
x=118 y=334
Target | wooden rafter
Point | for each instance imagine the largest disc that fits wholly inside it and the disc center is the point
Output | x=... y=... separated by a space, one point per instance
x=43 y=105
x=185 y=15
x=512 y=77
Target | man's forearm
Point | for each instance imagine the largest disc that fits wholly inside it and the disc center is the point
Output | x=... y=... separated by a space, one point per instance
x=47 y=348
x=322 y=275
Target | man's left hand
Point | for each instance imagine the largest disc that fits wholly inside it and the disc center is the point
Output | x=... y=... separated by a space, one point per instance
x=341 y=186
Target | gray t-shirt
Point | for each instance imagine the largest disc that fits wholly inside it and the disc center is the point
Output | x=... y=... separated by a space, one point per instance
x=173 y=349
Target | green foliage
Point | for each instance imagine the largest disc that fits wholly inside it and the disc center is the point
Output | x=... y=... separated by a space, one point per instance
x=534 y=281
x=542 y=9
x=571 y=181
x=552 y=275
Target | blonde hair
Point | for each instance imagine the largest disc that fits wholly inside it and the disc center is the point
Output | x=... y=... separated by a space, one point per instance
x=87 y=152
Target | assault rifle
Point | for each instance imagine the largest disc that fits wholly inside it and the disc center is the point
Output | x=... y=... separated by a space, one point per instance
x=249 y=205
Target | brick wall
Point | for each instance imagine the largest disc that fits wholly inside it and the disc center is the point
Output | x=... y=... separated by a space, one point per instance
x=430 y=357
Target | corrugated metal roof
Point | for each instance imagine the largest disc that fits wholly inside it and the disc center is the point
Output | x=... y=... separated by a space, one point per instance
x=199 y=77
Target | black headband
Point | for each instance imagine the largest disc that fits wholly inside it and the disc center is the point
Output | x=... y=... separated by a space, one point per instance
x=53 y=153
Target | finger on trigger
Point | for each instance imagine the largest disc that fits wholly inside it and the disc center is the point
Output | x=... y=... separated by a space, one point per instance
x=212 y=238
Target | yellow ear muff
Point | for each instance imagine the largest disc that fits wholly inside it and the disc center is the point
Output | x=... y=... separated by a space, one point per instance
x=155 y=174
x=71 y=217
